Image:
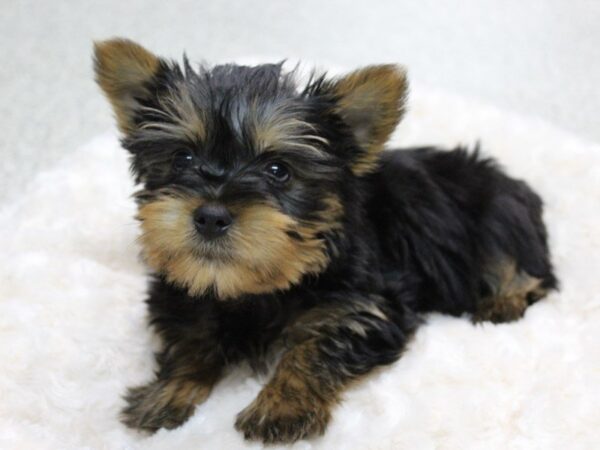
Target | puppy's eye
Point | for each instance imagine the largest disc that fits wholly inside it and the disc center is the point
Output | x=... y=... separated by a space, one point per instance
x=278 y=171
x=181 y=160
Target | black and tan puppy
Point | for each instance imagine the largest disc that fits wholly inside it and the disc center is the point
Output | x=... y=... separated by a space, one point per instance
x=275 y=223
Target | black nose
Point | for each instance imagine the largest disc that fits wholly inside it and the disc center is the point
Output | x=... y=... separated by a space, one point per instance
x=212 y=220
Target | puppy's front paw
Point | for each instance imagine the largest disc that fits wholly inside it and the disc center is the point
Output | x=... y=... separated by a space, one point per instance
x=273 y=418
x=162 y=404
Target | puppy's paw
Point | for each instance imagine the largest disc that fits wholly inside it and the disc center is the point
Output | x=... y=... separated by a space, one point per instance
x=161 y=404
x=274 y=419
x=501 y=309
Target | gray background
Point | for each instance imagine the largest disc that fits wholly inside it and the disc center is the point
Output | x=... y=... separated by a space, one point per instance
x=538 y=58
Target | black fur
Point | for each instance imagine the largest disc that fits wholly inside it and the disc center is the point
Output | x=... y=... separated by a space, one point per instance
x=424 y=230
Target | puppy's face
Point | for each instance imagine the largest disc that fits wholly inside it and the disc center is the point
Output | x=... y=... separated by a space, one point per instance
x=243 y=172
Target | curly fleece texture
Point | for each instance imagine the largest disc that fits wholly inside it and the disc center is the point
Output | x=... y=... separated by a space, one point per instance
x=73 y=333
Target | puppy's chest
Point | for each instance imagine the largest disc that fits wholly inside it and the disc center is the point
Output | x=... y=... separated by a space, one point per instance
x=255 y=329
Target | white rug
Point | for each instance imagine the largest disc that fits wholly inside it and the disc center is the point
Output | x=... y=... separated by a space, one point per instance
x=73 y=333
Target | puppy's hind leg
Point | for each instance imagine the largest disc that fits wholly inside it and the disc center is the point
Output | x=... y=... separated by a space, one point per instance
x=507 y=292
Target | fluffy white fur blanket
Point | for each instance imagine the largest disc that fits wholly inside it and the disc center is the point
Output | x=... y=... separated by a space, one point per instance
x=73 y=332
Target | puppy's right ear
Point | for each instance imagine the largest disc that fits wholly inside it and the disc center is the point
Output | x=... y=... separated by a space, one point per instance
x=126 y=72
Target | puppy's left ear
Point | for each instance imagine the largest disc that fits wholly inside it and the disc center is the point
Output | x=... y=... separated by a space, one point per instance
x=125 y=71
x=371 y=102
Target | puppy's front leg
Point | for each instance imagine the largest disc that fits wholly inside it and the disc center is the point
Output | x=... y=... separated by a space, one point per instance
x=183 y=381
x=329 y=347
x=189 y=365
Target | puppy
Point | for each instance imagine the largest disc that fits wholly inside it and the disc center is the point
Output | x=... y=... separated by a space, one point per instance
x=275 y=223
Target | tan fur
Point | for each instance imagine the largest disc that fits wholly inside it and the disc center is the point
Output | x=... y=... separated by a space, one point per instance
x=297 y=401
x=511 y=291
x=122 y=70
x=164 y=403
x=295 y=404
x=183 y=393
x=279 y=128
x=256 y=256
x=332 y=213
x=183 y=120
x=371 y=101
x=343 y=315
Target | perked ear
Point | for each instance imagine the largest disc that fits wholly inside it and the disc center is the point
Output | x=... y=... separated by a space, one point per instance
x=124 y=71
x=371 y=101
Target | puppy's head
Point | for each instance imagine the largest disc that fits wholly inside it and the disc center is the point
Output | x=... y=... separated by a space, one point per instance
x=245 y=175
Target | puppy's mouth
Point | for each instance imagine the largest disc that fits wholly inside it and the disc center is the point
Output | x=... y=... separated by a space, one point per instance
x=216 y=251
